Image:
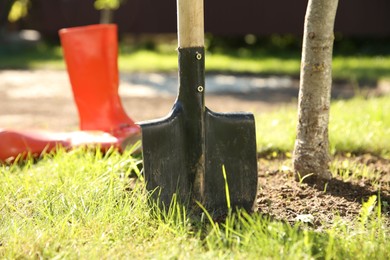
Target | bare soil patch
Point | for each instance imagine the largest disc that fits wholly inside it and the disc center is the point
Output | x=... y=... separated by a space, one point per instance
x=284 y=198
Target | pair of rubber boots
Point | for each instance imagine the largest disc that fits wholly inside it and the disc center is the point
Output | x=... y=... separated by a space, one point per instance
x=91 y=56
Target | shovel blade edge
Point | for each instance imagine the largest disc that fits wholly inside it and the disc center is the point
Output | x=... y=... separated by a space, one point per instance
x=230 y=140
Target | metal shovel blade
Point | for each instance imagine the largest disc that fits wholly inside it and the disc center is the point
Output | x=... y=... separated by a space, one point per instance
x=164 y=155
x=230 y=142
x=184 y=153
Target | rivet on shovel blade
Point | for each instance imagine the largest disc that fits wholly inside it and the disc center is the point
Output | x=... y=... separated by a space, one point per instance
x=200 y=89
x=198 y=56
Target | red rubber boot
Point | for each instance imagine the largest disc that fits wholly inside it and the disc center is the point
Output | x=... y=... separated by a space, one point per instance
x=22 y=143
x=16 y=143
x=91 y=55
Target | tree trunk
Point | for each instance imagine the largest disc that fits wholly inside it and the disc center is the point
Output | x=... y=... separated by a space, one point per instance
x=311 y=153
x=106 y=15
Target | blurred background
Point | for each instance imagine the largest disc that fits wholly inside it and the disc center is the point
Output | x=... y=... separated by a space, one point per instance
x=253 y=56
x=248 y=36
x=222 y=17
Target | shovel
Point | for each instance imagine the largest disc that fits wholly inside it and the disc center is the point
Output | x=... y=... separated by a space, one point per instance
x=184 y=153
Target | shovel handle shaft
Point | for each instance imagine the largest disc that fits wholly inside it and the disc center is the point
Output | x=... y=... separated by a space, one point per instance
x=190 y=23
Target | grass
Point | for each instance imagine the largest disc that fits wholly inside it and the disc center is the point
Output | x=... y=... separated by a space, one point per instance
x=78 y=205
x=57 y=209
x=353 y=67
x=356 y=68
x=32 y=57
x=356 y=126
x=82 y=205
x=350 y=68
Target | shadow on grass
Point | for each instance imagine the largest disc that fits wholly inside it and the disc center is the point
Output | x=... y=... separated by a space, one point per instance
x=22 y=56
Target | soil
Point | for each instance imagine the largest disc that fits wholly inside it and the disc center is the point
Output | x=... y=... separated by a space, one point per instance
x=47 y=103
x=284 y=198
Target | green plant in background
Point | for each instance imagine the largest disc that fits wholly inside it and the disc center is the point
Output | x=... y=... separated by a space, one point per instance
x=107 y=7
x=19 y=9
x=107 y=4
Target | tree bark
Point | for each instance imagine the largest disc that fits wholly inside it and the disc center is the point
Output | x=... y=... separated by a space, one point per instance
x=311 y=153
x=106 y=16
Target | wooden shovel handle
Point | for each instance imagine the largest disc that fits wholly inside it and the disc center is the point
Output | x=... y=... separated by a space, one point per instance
x=190 y=23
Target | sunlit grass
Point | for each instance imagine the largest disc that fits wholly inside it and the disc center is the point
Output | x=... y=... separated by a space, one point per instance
x=354 y=68
x=79 y=205
x=344 y=67
x=356 y=126
x=361 y=125
x=361 y=67
x=144 y=60
x=82 y=204
x=262 y=64
x=38 y=57
x=350 y=169
x=276 y=131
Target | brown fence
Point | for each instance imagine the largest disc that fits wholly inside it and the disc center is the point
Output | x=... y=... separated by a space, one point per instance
x=224 y=17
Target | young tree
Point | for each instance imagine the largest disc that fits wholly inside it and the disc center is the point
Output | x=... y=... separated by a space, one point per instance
x=106 y=8
x=16 y=9
x=311 y=153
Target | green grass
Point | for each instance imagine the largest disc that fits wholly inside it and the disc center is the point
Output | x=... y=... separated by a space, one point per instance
x=82 y=204
x=361 y=126
x=356 y=126
x=241 y=60
x=37 y=57
x=344 y=67
x=78 y=205
x=361 y=67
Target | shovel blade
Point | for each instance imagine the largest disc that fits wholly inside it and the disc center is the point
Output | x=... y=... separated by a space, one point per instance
x=171 y=160
x=164 y=155
x=230 y=142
